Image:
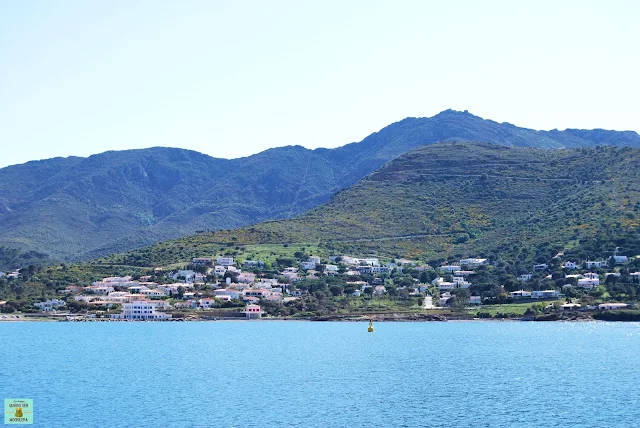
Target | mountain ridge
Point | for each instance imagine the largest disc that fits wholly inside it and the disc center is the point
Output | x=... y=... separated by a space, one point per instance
x=78 y=208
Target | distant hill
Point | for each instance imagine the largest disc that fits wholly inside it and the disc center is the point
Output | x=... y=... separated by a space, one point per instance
x=459 y=200
x=78 y=208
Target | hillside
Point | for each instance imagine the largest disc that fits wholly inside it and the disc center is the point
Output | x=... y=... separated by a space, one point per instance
x=454 y=200
x=79 y=208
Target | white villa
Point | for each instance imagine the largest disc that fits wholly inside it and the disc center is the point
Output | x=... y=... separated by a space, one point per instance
x=224 y=261
x=50 y=305
x=473 y=262
x=140 y=310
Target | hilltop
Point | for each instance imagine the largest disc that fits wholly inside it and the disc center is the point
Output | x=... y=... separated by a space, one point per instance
x=451 y=200
x=70 y=209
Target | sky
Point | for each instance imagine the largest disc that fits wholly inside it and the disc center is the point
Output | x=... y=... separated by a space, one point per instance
x=233 y=78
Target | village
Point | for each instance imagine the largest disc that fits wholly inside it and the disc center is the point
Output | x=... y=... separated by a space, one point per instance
x=243 y=289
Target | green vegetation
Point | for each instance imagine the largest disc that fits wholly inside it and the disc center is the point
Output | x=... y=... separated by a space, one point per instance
x=75 y=209
x=446 y=201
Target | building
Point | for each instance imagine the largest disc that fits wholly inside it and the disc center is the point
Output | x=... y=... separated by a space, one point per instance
x=260 y=293
x=621 y=260
x=570 y=266
x=207 y=303
x=224 y=261
x=449 y=268
x=444 y=298
x=50 y=305
x=595 y=264
x=331 y=268
x=568 y=307
x=234 y=294
x=202 y=261
x=525 y=277
x=475 y=300
x=152 y=294
x=611 y=306
x=246 y=278
x=253 y=311
x=540 y=267
x=473 y=262
x=308 y=265
x=189 y=304
x=520 y=294
x=588 y=283
x=140 y=310
x=545 y=294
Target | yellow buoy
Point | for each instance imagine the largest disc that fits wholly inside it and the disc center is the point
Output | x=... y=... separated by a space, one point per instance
x=370 y=329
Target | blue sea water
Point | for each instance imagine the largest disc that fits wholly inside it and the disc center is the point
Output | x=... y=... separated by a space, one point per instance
x=304 y=374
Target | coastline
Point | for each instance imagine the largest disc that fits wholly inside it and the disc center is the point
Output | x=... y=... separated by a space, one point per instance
x=389 y=317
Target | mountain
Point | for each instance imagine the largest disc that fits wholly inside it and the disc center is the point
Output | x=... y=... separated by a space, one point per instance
x=74 y=208
x=454 y=200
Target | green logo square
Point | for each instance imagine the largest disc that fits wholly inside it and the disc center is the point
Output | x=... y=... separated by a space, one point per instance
x=18 y=411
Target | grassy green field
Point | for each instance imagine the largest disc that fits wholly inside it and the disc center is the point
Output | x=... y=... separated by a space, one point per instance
x=509 y=308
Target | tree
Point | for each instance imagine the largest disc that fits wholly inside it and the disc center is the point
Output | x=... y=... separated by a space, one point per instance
x=368 y=291
x=461 y=299
x=336 y=290
x=180 y=292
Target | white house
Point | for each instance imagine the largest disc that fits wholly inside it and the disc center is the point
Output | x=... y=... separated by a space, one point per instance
x=460 y=282
x=473 y=262
x=207 y=303
x=246 y=278
x=540 y=267
x=253 y=311
x=100 y=289
x=140 y=310
x=444 y=298
x=50 y=305
x=525 y=277
x=570 y=266
x=595 y=264
x=234 y=294
x=202 y=261
x=635 y=276
x=520 y=294
x=224 y=261
x=621 y=260
x=449 y=268
x=611 y=306
x=568 y=307
x=188 y=275
x=308 y=265
x=136 y=289
x=545 y=294
x=153 y=294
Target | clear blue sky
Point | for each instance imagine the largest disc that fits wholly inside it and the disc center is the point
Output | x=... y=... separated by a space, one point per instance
x=233 y=78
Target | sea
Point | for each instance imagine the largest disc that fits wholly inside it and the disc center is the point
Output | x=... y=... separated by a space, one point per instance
x=324 y=374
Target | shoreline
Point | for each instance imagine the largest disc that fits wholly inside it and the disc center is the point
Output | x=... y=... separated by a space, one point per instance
x=390 y=317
